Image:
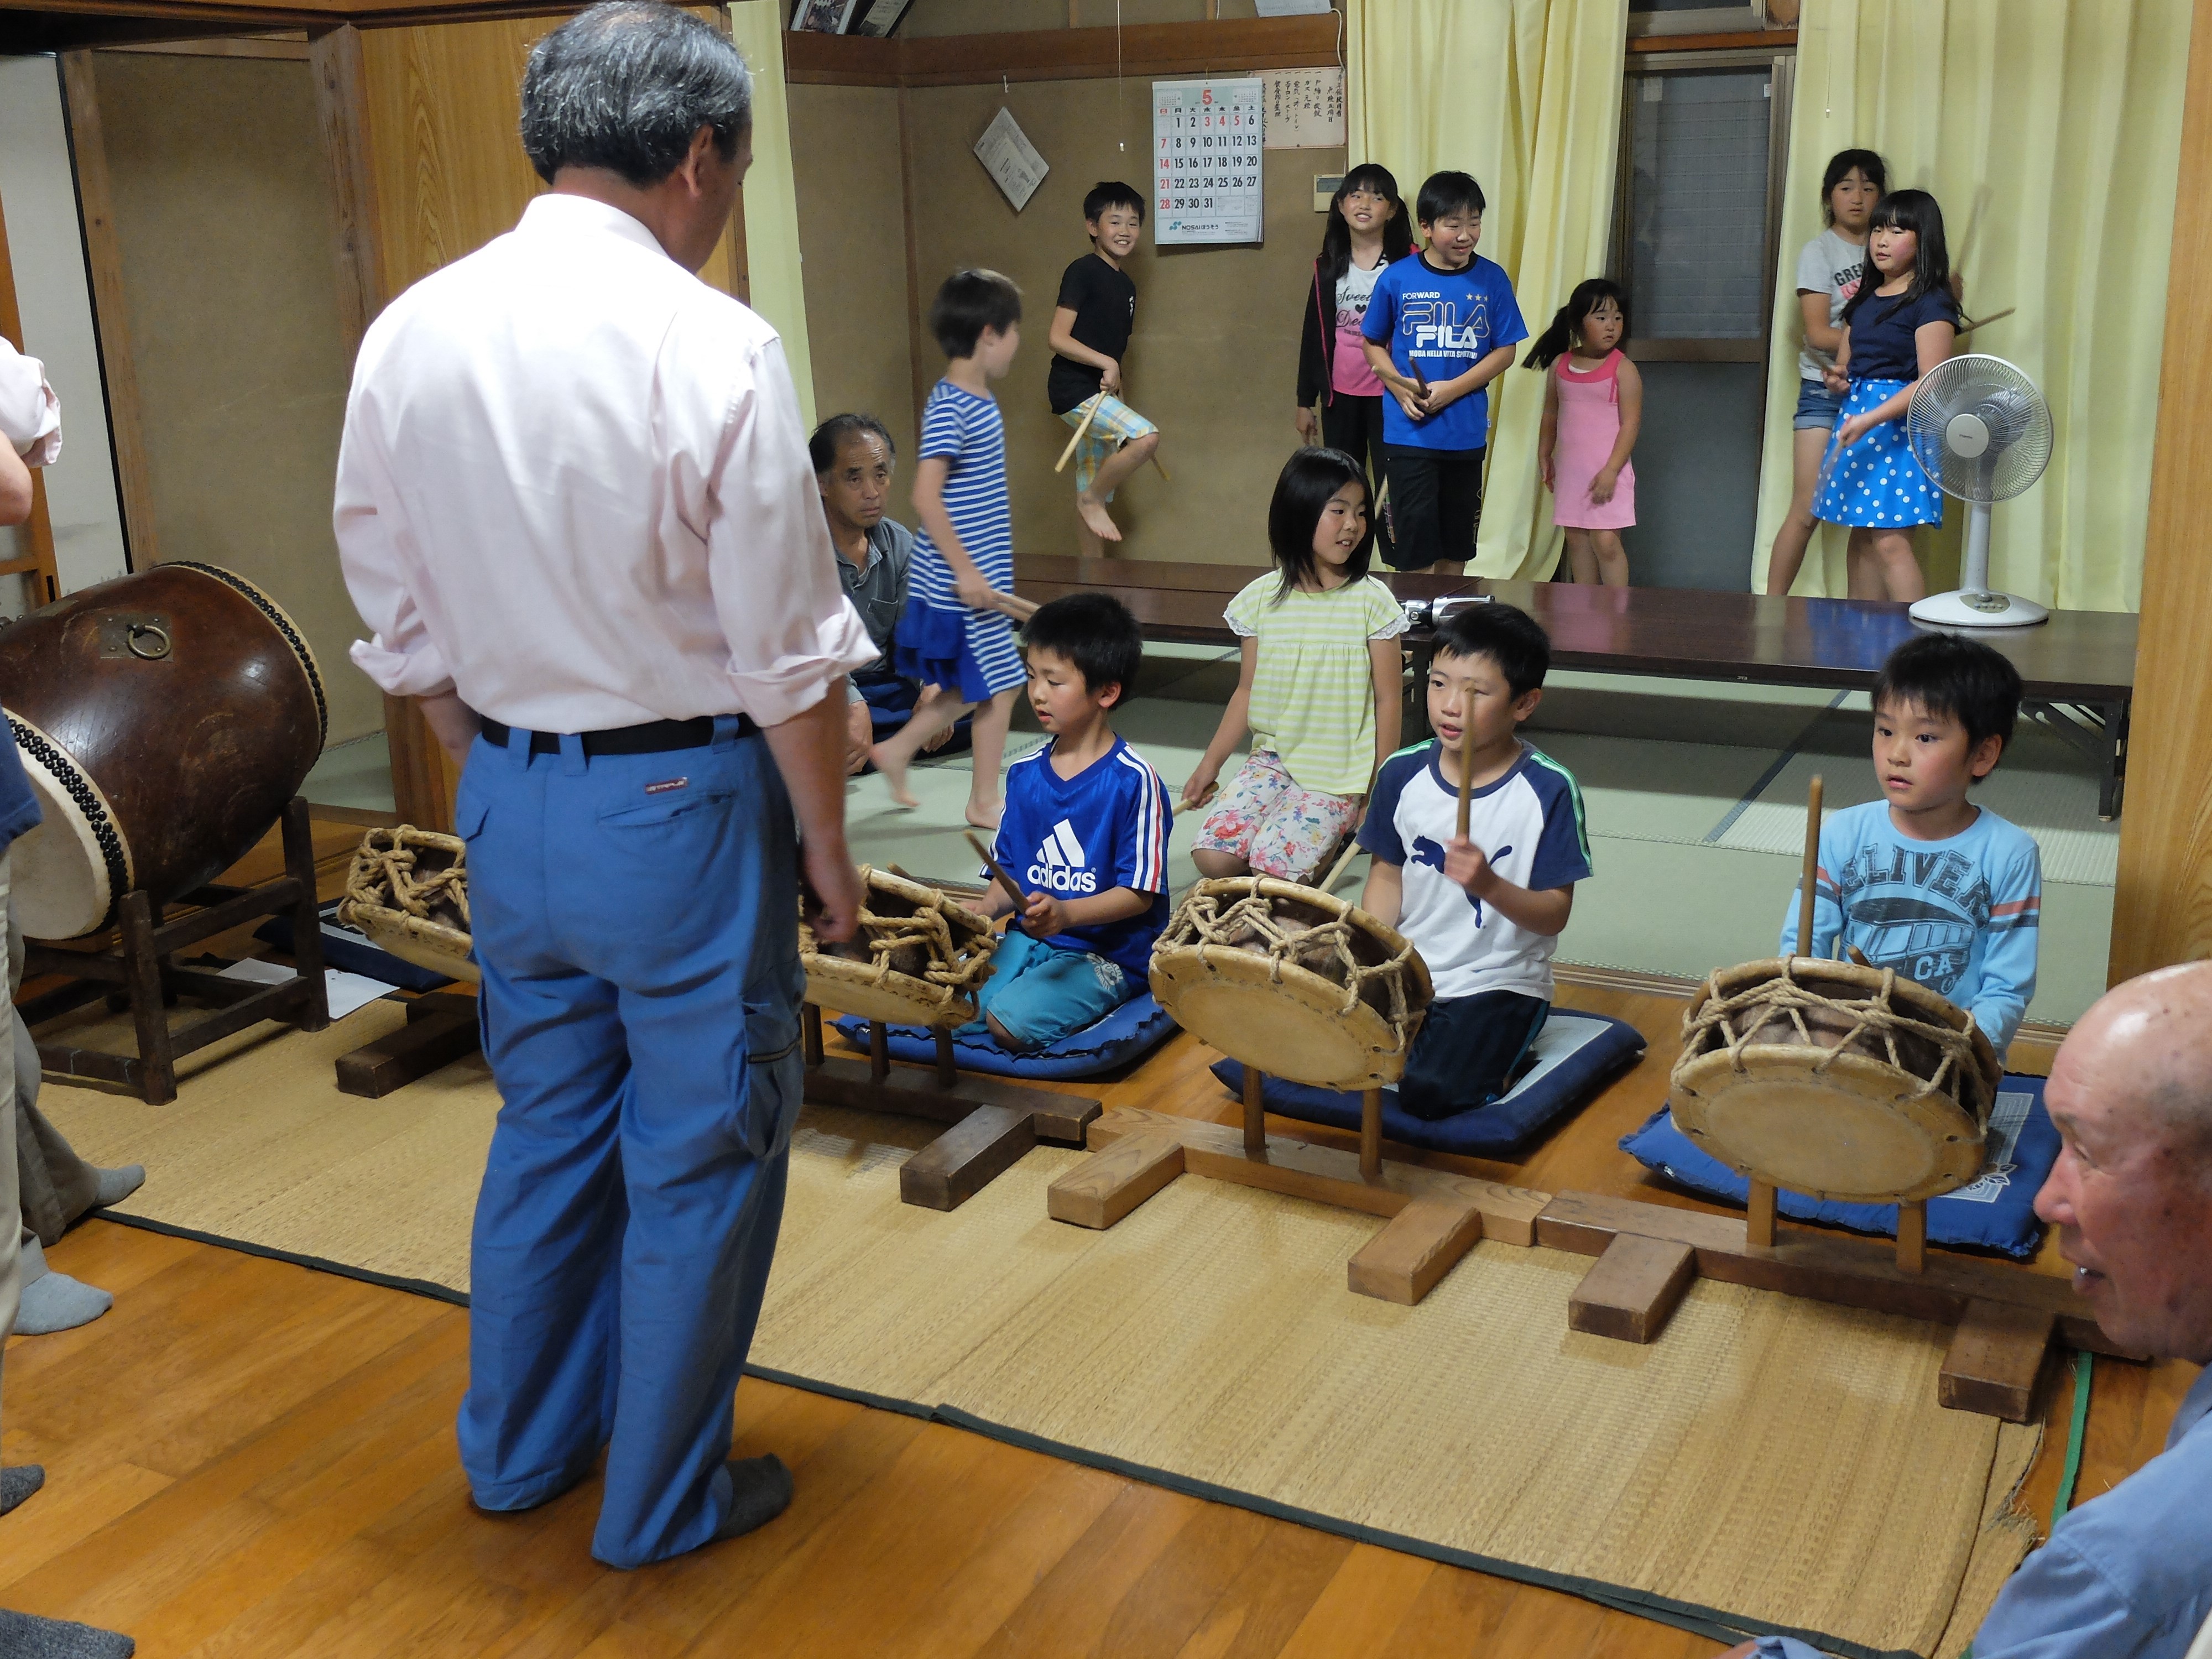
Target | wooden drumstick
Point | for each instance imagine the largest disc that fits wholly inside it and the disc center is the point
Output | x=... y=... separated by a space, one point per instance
x=1343 y=859
x=1013 y=605
x=1182 y=806
x=1060 y=466
x=1466 y=775
x=998 y=871
x=1984 y=322
x=1812 y=871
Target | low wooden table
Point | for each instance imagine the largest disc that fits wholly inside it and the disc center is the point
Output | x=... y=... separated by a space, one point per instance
x=2077 y=670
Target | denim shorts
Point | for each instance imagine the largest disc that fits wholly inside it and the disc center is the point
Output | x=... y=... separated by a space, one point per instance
x=1817 y=407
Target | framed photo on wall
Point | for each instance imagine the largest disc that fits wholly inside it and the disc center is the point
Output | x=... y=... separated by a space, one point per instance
x=822 y=16
x=879 y=17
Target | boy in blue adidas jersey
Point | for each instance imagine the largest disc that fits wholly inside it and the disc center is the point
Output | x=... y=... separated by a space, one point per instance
x=1485 y=910
x=1922 y=880
x=1086 y=834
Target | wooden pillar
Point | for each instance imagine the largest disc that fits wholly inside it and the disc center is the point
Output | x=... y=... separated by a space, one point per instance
x=111 y=314
x=2162 y=909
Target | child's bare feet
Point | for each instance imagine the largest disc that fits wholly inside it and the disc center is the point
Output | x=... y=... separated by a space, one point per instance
x=894 y=775
x=985 y=817
x=1096 y=518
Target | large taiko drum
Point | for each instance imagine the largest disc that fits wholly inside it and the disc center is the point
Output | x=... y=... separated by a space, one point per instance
x=917 y=957
x=1292 y=981
x=164 y=718
x=1835 y=1079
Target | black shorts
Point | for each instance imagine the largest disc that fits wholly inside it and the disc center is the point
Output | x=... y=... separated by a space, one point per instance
x=1467 y=1050
x=1354 y=425
x=1436 y=503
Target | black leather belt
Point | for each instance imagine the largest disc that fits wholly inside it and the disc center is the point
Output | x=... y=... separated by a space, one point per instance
x=653 y=737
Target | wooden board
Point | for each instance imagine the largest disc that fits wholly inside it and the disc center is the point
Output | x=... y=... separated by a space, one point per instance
x=1996 y=1356
x=1634 y=1289
x=1106 y=1186
x=1424 y=1240
x=1239 y=45
x=912 y=1091
x=1298 y=1169
x=956 y=1166
x=440 y=1028
x=1852 y=1272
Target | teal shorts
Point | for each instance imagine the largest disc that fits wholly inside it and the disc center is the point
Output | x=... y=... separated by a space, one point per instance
x=1039 y=992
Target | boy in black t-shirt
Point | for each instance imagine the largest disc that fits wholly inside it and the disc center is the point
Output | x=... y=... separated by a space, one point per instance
x=1091 y=329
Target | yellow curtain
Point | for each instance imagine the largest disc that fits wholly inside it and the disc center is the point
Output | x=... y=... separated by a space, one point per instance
x=771 y=207
x=2050 y=131
x=1525 y=94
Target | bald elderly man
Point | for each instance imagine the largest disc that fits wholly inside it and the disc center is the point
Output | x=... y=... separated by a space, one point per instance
x=2127 y=1575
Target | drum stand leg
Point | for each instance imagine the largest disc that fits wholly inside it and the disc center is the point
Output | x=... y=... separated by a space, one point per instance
x=1758 y=1215
x=1912 y=1236
x=1371 y=1135
x=1256 y=1115
x=991 y=1123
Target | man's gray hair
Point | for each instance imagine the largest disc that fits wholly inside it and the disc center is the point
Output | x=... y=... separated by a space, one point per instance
x=625 y=85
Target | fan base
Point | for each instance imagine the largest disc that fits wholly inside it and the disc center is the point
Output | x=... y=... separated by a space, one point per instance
x=1970 y=610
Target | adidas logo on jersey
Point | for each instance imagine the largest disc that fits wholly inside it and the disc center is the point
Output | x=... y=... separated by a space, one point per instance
x=1059 y=867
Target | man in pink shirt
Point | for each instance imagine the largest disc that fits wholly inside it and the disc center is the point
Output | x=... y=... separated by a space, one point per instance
x=575 y=505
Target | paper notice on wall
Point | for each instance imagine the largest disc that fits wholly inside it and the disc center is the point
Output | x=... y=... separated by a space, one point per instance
x=1304 y=108
x=1291 y=7
x=1206 y=140
x=1008 y=156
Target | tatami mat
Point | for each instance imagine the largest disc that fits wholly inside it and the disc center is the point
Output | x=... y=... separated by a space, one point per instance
x=1769 y=1462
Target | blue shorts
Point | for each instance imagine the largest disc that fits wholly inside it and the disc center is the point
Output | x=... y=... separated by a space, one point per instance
x=1039 y=992
x=1817 y=407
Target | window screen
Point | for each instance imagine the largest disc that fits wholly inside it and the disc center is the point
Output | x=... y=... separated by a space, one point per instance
x=1697 y=206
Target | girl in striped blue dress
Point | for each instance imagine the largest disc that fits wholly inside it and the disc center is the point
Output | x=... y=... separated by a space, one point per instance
x=954 y=635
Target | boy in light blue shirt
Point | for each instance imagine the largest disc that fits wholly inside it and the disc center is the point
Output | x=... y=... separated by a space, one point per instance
x=1923 y=881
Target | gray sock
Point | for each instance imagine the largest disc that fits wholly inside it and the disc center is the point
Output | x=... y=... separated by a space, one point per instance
x=116 y=1185
x=762 y=1492
x=55 y=1302
x=17 y=1482
x=25 y=1636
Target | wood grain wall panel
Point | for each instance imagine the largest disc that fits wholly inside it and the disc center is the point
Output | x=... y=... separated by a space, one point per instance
x=844 y=145
x=334 y=57
x=111 y=309
x=2162 y=909
x=1230 y=47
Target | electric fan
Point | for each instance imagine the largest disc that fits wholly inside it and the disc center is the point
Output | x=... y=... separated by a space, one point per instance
x=1981 y=430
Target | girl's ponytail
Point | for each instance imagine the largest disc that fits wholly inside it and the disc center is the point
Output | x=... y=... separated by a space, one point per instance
x=1558 y=339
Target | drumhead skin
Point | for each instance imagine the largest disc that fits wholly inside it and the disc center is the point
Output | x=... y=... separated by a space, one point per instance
x=908 y=928
x=165 y=718
x=1834 y=1117
x=1279 y=1007
x=440 y=939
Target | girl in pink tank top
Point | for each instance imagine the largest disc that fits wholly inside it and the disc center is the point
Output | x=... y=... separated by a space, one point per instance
x=1593 y=408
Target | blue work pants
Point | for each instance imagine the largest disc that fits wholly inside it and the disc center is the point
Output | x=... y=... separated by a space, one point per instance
x=635 y=920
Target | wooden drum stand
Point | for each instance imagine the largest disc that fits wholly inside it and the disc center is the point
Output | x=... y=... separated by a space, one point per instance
x=137 y=973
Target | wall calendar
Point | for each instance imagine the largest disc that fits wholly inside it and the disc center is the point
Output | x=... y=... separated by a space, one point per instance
x=1207 y=137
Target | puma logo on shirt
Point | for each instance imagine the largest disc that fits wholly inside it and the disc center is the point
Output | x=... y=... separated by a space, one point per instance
x=1427 y=852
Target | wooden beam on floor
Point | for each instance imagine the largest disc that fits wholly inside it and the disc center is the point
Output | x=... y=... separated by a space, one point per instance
x=1996 y=1356
x=1634 y=1290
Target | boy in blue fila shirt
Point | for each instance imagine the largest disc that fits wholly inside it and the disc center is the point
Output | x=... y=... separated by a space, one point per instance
x=1922 y=880
x=1485 y=910
x=1086 y=834
x=1441 y=326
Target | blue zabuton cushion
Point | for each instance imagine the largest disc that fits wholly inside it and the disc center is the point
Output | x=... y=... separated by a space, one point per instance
x=1574 y=1054
x=1996 y=1213
x=1136 y=1028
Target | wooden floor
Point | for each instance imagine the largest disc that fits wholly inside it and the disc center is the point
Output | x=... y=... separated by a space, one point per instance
x=249 y=1458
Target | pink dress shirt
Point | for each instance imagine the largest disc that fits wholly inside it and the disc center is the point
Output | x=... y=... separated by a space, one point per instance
x=30 y=414
x=575 y=489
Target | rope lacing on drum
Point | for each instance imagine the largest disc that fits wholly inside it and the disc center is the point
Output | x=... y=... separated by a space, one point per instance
x=1873 y=1013
x=1202 y=921
x=385 y=874
x=886 y=935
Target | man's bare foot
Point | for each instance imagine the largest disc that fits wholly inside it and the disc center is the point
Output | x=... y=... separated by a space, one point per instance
x=985 y=817
x=1096 y=518
x=893 y=777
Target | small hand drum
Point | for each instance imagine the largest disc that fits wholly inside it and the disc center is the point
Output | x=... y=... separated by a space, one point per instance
x=918 y=957
x=1835 y=1080
x=408 y=891
x=1292 y=981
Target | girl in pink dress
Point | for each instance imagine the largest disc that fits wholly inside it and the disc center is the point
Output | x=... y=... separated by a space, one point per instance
x=1593 y=407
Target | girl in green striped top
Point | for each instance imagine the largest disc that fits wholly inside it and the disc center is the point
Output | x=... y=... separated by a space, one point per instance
x=1319 y=692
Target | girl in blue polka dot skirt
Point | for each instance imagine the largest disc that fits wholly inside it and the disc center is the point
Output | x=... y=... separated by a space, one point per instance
x=1895 y=332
